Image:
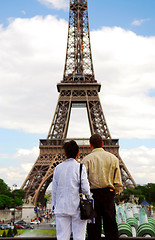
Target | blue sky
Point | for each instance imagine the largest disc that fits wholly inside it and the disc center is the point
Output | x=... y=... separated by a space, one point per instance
x=108 y=12
x=33 y=37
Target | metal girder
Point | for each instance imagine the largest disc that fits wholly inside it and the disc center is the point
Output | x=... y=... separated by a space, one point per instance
x=78 y=64
x=51 y=154
x=78 y=87
x=87 y=94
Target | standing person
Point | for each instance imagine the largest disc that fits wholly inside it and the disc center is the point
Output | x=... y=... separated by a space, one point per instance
x=65 y=195
x=105 y=182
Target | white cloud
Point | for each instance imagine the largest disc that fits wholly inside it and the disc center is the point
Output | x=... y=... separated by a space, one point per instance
x=21 y=165
x=140 y=163
x=4 y=155
x=139 y=22
x=13 y=175
x=32 y=57
x=125 y=65
x=26 y=154
x=78 y=124
x=58 y=4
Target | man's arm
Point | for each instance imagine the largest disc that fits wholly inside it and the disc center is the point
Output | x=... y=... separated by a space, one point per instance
x=54 y=187
x=117 y=179
x=84 y=182
x=86 y=163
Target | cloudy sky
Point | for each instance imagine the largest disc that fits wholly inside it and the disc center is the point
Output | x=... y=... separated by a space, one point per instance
x=33 y=38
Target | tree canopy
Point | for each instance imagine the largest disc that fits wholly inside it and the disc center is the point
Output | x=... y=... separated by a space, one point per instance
x=145 y=192
x=8 y=198
x=4 y=189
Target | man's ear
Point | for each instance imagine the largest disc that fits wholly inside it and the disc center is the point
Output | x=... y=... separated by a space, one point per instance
x=102 y=143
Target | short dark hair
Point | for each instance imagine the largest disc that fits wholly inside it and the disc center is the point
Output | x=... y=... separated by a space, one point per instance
x=71 y=149
x=96 y=141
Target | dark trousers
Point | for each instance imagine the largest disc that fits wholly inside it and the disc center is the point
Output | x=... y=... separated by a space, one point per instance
x=105 y=209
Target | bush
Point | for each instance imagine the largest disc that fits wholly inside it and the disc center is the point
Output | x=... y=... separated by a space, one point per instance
x=10 y=233
x=4 y=234
x=15 y=231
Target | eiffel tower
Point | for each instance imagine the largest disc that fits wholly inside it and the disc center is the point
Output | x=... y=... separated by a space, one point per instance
x=77 y=89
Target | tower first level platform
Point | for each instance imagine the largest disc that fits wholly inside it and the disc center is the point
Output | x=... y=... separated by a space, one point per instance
x=51 y=149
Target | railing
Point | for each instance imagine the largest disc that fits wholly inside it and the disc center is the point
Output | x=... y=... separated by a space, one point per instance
x=54 y=238
x=80 y=141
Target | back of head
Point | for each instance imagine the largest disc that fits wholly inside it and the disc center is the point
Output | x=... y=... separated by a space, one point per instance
x=96 y=141
x=71 y=149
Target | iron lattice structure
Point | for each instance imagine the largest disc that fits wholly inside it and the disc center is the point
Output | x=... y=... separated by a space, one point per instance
x=78 y=65
x=78 y=88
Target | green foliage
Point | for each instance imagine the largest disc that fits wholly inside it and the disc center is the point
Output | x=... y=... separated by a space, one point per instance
x=43 y=201
x=47 y=196
x=9 y=233
x=10 y=198
x=4 y=189
x=4 y=234
x=18 y=201
x=5 y=201
x=15 y=231
x=151 y=192
x=19 y=193
x=146 y=192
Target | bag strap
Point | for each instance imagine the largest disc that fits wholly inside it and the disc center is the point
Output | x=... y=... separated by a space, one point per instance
x=80 y=190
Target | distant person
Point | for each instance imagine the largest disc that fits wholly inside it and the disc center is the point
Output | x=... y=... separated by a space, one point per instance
x=105 y=182
x=65 y=195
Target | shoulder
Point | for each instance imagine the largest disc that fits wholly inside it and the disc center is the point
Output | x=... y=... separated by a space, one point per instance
x=112 y=157
x=87 y=158
x=68 y=163
x=59 y=166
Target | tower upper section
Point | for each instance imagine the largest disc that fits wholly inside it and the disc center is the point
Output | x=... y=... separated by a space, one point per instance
x=78 y=64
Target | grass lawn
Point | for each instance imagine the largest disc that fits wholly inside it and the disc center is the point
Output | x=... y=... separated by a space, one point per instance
x=39 y=233
x=34 y=232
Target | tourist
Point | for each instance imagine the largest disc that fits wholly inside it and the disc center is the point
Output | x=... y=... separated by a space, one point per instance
x=105 y=182
x=65 y=195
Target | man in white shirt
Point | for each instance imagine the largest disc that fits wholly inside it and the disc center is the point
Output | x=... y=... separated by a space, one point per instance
x=65 y=195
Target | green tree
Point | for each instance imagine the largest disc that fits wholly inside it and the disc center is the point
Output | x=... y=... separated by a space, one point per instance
x=4 y=189
x=19 y=193
x=9 y=233
x=151 y=193
x=5 y=201
x=4 y=234
x=15 y=231
x=44 y=202
x=145 y=192
x=10 y=198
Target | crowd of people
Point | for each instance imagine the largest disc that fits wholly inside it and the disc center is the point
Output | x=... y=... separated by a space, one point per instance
x=100 y=178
